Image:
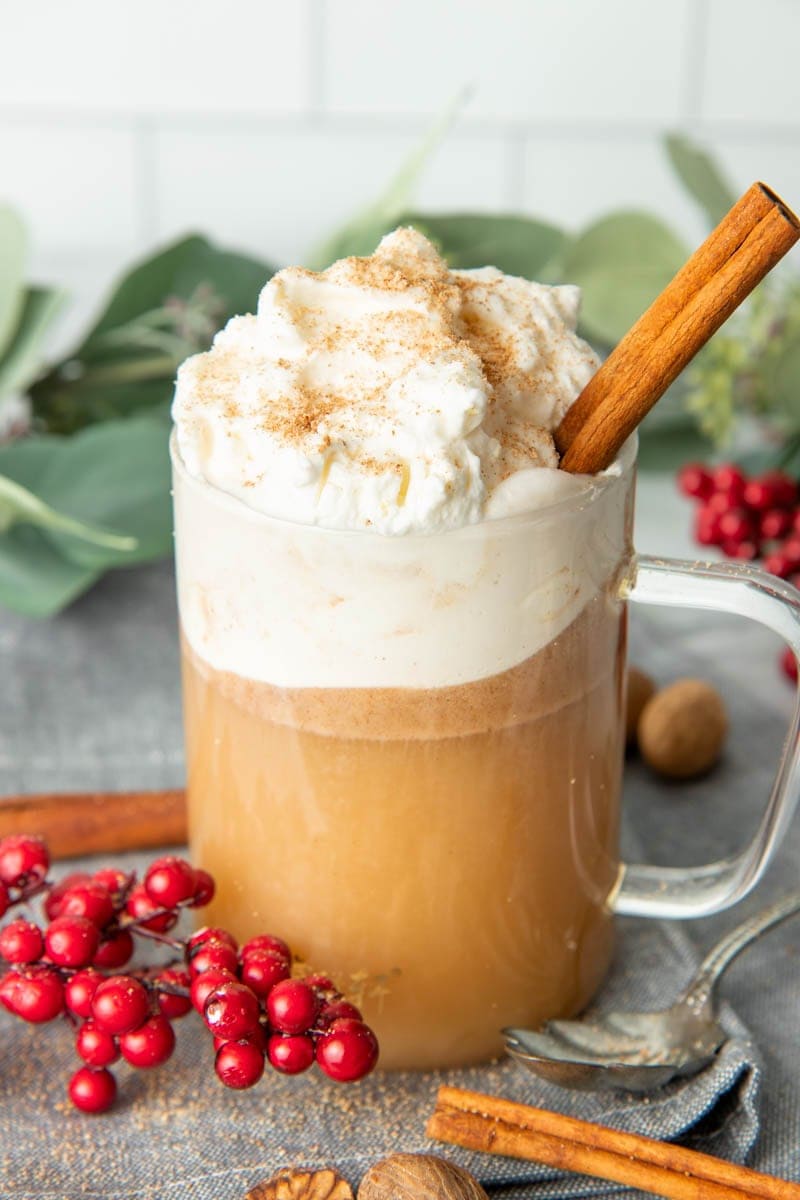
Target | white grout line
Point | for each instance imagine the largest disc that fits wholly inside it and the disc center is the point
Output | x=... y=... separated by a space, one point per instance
x=376 y=124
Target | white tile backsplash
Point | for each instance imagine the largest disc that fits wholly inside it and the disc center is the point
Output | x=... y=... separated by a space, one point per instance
x=281 y=193
x=752 y=67
x=622 y=60
x=156 y=56
x=266 y=122
x=76 y=187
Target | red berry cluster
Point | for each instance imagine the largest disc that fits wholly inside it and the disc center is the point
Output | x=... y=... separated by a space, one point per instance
x=70 y=965
x=748 y=518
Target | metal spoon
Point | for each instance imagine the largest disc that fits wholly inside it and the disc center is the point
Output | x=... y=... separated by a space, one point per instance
x=641 y=1051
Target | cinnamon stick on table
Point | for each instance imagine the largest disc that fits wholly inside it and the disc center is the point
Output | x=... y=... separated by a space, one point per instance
x=747 y=243
x=496 y=1126
x=98 y=822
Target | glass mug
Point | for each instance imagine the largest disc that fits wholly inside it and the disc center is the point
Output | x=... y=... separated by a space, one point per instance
x=405 y=753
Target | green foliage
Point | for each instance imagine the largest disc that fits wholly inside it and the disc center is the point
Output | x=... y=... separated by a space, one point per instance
x=621 y=262
x=701 y=177
x=516 y=245
x=167 y=307
x=12 y=264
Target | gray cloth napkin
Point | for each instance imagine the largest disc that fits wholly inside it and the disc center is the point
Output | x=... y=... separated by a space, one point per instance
x=91 y=700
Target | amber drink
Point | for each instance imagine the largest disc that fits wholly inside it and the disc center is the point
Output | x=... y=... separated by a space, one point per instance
x=405 y=745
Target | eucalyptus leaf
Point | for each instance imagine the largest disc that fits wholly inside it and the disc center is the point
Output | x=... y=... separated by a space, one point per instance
x=361 y=234
x=783 y=384
x=34 y=578
x=115 y=475
x=13 y=246
x=701 y=176
x=621 y=262
x=177 y=271
x=516 y=245
x=24 y=354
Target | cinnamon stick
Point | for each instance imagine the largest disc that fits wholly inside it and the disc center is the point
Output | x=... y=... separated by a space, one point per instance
x=756 y=233
x=80 y=823
x=496 y=1126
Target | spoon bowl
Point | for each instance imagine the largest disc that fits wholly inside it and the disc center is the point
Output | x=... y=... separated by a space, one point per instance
x=642 y=1051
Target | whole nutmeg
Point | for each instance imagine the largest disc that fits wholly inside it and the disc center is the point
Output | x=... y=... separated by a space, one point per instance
x=302 y=1185
x=640 y=689
x=418 y=1177
x=682 y=729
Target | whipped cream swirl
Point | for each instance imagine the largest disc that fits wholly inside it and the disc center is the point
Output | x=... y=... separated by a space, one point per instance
x=387 y=393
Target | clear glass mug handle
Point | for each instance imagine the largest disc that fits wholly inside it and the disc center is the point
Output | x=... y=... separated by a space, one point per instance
x=646 y=891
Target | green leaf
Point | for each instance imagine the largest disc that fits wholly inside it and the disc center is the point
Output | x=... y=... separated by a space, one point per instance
x=361 y=234
x=115 y=475
x=178 y=270
x=516 y=245
x=34 y=578
x=783 y=384
x=24 y=354
x=621 y=262
x=700 y=175
x=13 y=245
x=19 y=505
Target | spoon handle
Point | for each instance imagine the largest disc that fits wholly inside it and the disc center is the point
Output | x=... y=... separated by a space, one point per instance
x=722 y=955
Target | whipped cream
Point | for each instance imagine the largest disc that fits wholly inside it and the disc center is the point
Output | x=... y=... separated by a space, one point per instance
x=387 y=393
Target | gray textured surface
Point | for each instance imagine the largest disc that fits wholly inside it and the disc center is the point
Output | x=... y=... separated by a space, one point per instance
x=91 y=700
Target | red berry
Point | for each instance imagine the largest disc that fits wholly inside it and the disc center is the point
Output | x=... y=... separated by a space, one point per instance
x=171 y=1004
x=347 y=1051
x=321 y=983
x=211 y=933
x=169 y=881
x=92 y=1091
x=231 y=1010
x=5 y=899
x=52 y=901
x=292 y=1006
x=774 y=523
x=21 y=942
x=719 y=503
x=791 y=549
x=736 y=525
x=114 y=952
x=204 y=985
x=120 y=1004
x=290 y=1055
x=71 y=941
x=746 y=550
x=139 y=904
x=79 y=991
x=729 y=479
x=778 y=564
x=706 y=528
x=213 y=956
x=36 y=994
x=789 y=664
x=150 y=1045
x=695 y=480
x=24 y=860
x=257 y=1036
x=773 y=489
x=95 y=1046
x=113 y=880
x=239 y=1064
x=91 y=900
x=262 y=969
x=338 y=1010
x=265 y=941
x=204 y=888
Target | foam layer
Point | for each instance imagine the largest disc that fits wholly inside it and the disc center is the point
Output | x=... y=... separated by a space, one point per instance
x=302 y=607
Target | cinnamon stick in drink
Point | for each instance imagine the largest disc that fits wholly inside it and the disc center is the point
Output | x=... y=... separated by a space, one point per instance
x=756 y=233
